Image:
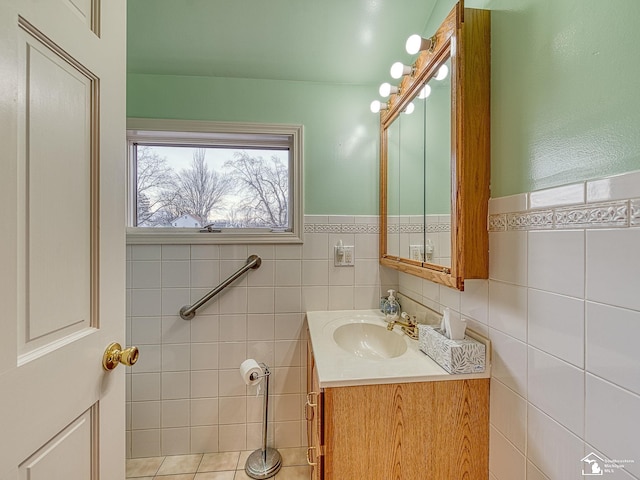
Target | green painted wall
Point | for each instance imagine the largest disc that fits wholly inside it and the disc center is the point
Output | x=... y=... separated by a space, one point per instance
x=340 y=132
x=565 y=105
x=564 y=96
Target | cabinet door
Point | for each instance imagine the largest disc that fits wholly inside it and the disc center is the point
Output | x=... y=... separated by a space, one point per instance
x=407 y=431
x=314 y=416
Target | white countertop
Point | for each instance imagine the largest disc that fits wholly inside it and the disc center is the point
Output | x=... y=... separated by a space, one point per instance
x=338 y=368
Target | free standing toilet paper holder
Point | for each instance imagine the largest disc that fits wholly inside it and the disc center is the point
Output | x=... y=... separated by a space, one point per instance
x=264 y=462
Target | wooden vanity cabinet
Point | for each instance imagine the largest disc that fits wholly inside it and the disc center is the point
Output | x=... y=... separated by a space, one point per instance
x=405 y=431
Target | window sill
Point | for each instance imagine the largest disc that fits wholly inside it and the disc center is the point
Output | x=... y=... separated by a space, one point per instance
x=159 y=236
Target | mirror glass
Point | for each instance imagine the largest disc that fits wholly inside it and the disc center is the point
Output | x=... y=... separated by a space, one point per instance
x=419 y=175
x=437 y=179
x=411 y=181
x=393 y=189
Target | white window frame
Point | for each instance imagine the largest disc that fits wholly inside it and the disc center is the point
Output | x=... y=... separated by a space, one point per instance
x=158 y=131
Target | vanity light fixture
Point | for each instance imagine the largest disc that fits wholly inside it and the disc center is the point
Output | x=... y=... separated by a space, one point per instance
x=399 y=69
x=387 y=89
x=443 y=71
x=425 y=92
x=408 y=110
x=415 y=44
x=377 y=105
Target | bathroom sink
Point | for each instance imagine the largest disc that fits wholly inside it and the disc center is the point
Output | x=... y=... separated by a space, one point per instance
x=354 y=347
x=367 y=340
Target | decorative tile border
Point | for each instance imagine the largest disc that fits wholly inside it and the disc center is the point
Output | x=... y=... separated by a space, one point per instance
x=498 y=222
x=635 y=212
x=438 y=227
x=368 y=228
x=327 y=228
x=619 y=214
x=418 y=228
x=518 y=221
x=374 y=228
x=354 y=228
x=599 y=215
x=540 y=220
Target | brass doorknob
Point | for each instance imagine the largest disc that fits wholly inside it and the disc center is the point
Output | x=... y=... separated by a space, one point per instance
x=114 y=354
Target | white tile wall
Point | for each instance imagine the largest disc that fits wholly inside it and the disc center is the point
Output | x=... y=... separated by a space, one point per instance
x=557 y=388
x=534 y=474
x=556 y=325
x=509 y=361
x=507 y=309
x=612 y=345
x=562 y=308
x=613 y=267
x=553 y=449
x=185 y=394
x=612 y=419
x=509 y=414
x=553 y=197
x=511 y=265
x=506 y=461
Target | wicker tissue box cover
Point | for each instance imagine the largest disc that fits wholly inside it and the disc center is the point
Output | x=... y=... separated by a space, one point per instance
x=455 y=356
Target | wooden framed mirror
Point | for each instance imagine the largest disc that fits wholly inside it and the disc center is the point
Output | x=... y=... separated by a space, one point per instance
x=435 y=157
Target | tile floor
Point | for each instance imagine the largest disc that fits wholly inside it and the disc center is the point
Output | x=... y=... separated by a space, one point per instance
x=214 y=466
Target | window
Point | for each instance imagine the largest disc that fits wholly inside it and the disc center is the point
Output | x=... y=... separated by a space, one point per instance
x=210 y=182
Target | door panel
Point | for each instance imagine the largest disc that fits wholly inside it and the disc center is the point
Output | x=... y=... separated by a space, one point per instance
x=57 y=214
x=77 y=441
x=62 y=243
x=86 y=10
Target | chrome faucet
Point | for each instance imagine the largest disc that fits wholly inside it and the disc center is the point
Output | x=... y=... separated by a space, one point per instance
x=409 y=327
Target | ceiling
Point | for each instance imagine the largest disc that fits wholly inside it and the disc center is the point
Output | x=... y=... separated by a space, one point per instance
x=328 y=41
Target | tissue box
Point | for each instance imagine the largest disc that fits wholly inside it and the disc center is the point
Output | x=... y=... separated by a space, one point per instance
x=455 y=356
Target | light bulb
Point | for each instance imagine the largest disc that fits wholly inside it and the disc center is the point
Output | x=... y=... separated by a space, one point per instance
x=398 y=69
x=443 y=71
x=409 y=108
x=414 y=42
x=425 y=92
x=377 y=105
x=387 y=89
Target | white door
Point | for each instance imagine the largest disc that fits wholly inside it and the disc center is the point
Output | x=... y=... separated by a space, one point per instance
x=62 y=244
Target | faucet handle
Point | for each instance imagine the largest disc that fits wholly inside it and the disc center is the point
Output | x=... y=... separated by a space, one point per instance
x=410 y=319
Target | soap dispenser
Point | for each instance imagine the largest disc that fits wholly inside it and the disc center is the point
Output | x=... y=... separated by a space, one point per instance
x=391 y=307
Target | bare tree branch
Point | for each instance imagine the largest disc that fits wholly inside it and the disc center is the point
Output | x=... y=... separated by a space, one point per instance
x=198 y=190
x=154 y=179
x=264 y=189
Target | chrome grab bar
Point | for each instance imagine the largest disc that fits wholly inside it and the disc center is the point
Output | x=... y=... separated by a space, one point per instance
x=189 y=311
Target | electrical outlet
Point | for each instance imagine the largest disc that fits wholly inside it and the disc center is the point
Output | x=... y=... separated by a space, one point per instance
x=344 y=256
x=349 y=256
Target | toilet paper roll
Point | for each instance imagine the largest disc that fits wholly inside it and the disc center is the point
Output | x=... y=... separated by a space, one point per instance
x=248 y=367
